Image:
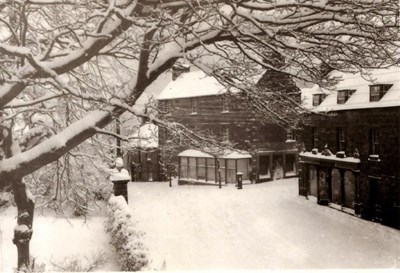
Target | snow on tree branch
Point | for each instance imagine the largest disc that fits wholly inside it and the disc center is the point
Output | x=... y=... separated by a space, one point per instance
x=104 y=55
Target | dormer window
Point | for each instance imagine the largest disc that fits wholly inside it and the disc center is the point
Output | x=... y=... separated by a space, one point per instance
x=377 y=91
x=318 y=99
x=344 y=95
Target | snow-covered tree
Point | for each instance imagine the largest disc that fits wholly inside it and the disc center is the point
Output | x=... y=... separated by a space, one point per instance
x=100 y=56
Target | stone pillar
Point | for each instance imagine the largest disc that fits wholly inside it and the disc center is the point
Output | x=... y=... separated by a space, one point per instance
x=357 y=203
x=302 y=179
x=342 y=191
x=120 y=181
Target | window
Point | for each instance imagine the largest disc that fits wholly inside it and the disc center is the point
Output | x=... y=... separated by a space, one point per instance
x=264 y=167
x=290 y=134
x=314 y=137
x=290 y=165
x=374 y=141
x=341 y=139
x=377 y=91
x=344 y=95
x=194 y=106
x=225 y=103
x=225 y=133
x=318 y=98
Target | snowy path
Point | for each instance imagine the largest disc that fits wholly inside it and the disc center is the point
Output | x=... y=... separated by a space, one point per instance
x=263 y=226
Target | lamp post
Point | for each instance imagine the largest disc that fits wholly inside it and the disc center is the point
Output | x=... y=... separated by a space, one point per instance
x=149 y=173
x=219 y=173
x=170 y=175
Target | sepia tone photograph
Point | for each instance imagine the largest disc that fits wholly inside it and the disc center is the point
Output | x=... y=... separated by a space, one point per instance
x=199 y=135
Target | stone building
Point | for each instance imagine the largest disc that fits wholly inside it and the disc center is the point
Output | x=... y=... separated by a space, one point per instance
x=200 y=102
x=352 y=152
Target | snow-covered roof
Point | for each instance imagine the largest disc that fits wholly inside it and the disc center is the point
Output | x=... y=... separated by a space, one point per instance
x=360 y=99
x=123 y=175
x=194 y=153
x=192 y=84
x=227 y=154
x=331 y=157
x=236 y=155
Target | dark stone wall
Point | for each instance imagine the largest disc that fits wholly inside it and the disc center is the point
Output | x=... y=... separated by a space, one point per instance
x=143 y=165
x=245 y=131
x=384 y=196
x=357 y=124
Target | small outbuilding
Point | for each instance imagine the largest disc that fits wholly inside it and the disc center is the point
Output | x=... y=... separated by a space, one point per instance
x=200 y=167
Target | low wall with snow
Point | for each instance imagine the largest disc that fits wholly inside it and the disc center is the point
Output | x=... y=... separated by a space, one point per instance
x=125 y=237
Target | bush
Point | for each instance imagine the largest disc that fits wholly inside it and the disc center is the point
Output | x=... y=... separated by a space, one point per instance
x=75 y=264
x=126 y=239
x=102 y=190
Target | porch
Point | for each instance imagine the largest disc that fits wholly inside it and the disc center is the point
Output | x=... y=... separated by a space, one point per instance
x=197 y=167
x=333 y=181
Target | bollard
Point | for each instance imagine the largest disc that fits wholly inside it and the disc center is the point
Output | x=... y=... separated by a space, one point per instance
x=239 y=180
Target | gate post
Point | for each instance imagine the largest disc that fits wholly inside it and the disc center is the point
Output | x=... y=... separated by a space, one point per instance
x=120 y=178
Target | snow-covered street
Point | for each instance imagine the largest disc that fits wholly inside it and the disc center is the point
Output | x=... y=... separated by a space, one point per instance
x=263 y=226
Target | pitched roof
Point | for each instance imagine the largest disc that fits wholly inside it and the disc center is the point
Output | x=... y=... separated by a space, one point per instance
x=192 y=84
x=196 y=84
x=360 y=99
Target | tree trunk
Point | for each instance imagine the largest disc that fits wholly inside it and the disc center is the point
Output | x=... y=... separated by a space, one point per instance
x=23 y=230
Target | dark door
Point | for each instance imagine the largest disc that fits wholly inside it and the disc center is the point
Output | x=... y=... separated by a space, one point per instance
x=375 y=201
x=278 y=172
x=263 y=168
x=323 y=186
x=336 y=187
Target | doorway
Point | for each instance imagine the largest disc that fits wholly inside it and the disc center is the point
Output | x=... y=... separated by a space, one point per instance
x=375 y=200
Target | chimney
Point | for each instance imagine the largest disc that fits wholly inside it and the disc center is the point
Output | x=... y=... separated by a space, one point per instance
x=179 y=68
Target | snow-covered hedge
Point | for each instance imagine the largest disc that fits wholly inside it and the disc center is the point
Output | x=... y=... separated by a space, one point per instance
x=125 y=237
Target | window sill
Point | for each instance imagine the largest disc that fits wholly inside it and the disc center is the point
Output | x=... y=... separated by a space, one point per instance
x=193 y=114
x=290 y=141
x=374 y=158
x=225 y=112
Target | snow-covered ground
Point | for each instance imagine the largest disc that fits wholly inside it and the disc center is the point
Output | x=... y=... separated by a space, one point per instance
x=56 y=238
x=263 y=226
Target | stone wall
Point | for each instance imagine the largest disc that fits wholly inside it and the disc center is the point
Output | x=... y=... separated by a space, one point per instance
x=379 y=179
